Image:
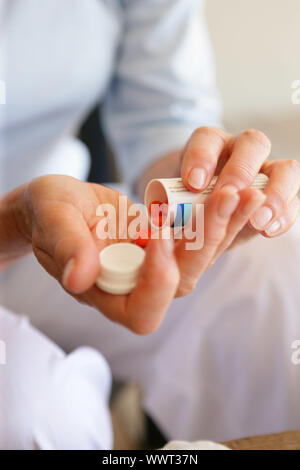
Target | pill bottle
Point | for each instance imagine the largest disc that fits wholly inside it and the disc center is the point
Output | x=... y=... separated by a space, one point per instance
x=171 y=191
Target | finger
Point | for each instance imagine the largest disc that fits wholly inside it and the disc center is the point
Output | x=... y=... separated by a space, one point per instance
x=283 y=186
x=143 y=310
x=249 y=152
x=155 y=289
x=201 y=157
x=218 y=211
x=250 y=200
x=68 y=240
x=285 y=221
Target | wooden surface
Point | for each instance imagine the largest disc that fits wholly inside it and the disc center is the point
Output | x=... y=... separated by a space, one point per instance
x=282 y=441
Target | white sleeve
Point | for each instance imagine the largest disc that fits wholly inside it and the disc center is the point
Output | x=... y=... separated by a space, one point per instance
x=164 y=85
x=50 y=400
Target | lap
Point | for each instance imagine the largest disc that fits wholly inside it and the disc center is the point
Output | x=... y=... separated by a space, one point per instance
x=222 y=356
x=50 y=400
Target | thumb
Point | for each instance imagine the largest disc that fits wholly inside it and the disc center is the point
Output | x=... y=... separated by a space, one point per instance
x=73 y=249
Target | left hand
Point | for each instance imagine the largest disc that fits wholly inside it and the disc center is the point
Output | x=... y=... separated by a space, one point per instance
x=56 y=217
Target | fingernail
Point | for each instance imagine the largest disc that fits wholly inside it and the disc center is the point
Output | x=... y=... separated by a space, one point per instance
x=228 y=204
x=262 y=218
x=67 y=272
x=274 y=228
x=197 y=178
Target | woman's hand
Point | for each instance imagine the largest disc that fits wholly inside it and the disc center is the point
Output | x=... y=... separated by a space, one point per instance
x=235 y=210
x=57 y=216
x=237 y=161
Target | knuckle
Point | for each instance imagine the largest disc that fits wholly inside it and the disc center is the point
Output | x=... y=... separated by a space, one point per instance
x=210 y=131
x=171 y=281
x=280 y=197
x=294 y=165
x=194 y=152
x=204 y=130
x=165 y=278
x=40 y=183
x=259 y=138
x=155 y=276
x=186 y=287
x=34 y=188
x=244 y=171
x=159 y=277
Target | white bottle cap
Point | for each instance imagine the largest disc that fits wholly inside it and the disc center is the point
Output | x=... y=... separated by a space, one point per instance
x=120 y=267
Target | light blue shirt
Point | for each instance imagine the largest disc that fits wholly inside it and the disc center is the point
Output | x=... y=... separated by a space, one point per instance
x=149 y=61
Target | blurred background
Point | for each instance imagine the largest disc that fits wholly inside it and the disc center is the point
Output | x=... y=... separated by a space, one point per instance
x=257 y=50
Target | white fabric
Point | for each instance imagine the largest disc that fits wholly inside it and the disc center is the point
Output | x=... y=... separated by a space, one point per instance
x=164 y=85
x=48 y=400
x=68 y=156
x=220 y=365
x=149 y=61
x=197 y=445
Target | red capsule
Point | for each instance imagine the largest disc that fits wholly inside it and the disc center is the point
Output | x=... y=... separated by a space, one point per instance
x=143 y=237
x=157 y=213
x=154 y=207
